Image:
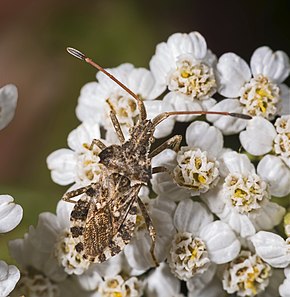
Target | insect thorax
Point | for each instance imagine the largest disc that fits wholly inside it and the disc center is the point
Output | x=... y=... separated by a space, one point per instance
x=132 y=157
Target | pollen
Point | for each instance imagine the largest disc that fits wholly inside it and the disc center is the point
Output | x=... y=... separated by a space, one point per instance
x=196 y=80
x=245 y=192
x=247 y=275
x=260 y=97
x=195 y=170
x=188 y=256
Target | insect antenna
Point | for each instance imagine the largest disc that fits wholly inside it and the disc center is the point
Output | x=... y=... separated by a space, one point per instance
x=76 y=53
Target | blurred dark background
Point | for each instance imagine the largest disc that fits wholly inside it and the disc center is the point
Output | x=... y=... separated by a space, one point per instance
x=33 y=38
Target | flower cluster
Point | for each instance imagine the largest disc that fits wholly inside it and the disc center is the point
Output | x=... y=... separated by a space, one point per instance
x=211 y=206
x=10 y=213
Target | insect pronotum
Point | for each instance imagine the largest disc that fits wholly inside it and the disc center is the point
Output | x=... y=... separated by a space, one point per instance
x=103 y=220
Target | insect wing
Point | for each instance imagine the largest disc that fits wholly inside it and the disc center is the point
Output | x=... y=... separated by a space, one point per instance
x=102 y=226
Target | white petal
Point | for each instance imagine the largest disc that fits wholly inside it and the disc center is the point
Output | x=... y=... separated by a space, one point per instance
x=274 y=65
x=181 y=102
x=207 y=138
x=161 y=64
x=62 y=164
x=156 y=107
x=212 y=289
x=274 y=171
x=10 y=213
x=221 y=242
x=237 y=163
x=181 y=43
x=258 y=137
x=9 y=276
x=191 y=216
x=272 y=248
x=161 y=282
x=63 y=211
x=91 y=102
x=199 y=45
x=270 y=215
x=163 y=185
x=232 y=73
x=284 y=289
x=8 y=101
x=227 y=124
x=138 y=251
x=197 y=283
x=141 y=81
x=83 y=134
x=284 y=104
x=89 y=280
x=48 y=225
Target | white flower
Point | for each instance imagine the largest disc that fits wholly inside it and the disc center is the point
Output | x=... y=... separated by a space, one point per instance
x=49 y=248
x=8 y=101
x=117 y=286
x=259 y=90
x=10 y=213
x=242 y=198
x=80 y=163
x=284 y=289
x=137 y=251
x=9 y=276
x=199 y=241
x=186 y=67
x=247 y=275
x=261 y=137
x=194 y=168
x=272 y=248
x=161 y=282
x=97 y=99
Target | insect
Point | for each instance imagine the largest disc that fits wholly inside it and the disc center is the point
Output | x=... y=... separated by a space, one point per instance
x=103 y=220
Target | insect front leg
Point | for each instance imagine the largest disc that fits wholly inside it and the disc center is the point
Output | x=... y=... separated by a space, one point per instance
x=98 y=143
x=67 y=196
x=117 y=126
x=171 y=143
x=150 y=228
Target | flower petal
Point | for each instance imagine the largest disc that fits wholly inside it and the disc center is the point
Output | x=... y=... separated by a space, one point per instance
x=181 y=102
x=153 y=109
x=274 y=171
x=8 y=101
x=199 y=47
x=258 y=137
x=83 y=134
x=274 y=65
x=236 y=163
x=232 y=73
x=270 y=215
x=207 y=138
x=161 y=282
x=272 y=248
x=227 y=124
x=10 y=214
x=284 y=289
x=284 y=103
x=62 y=164
x=221 y=242
x=191 y=216
x=9 y=276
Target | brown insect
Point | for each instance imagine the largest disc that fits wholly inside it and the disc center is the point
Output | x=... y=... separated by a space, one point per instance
x=103 y=220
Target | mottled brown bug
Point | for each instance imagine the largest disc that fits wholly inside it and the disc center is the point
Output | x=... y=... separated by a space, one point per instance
x=103 y=220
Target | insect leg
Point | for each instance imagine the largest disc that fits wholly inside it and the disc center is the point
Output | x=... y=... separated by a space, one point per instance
x=150 y=228
x=98 y=143
x=117 y=126
x=172 y=143
x=67 y=196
